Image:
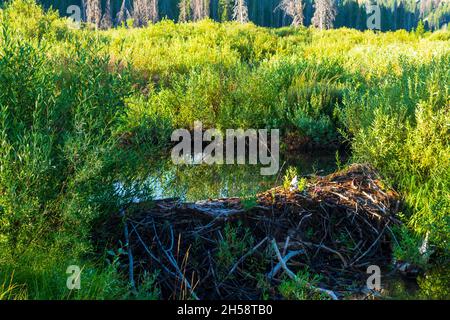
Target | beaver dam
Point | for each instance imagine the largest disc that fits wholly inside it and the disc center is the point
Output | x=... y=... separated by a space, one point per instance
x=240 y=248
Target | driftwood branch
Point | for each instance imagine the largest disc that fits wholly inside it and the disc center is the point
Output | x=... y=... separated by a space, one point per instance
x=286 y=258
x=293 y=276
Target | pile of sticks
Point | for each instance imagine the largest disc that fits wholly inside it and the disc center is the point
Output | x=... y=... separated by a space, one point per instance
x=336 y=227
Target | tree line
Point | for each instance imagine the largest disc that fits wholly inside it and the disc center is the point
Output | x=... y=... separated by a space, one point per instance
x=394 y=14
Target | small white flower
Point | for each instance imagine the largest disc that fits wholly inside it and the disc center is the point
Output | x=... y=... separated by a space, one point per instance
x=294 y=184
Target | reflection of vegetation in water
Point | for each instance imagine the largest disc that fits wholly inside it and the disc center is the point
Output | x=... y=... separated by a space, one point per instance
x=204 y=181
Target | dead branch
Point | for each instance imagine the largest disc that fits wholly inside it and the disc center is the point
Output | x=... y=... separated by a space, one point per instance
x=293 y=276
x=130 y=253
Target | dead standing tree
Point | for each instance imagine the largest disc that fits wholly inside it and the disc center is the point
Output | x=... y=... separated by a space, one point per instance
x=93 y=12
x=106 y=21
x=240 y=11
x=185 y=10
x=200 y=9
x=293 y=9
x=124 y=13
x=145 y=11
x=154 y=14
x=324 y=14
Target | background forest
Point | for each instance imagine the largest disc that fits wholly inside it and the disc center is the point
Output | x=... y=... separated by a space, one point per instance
x=395 y=14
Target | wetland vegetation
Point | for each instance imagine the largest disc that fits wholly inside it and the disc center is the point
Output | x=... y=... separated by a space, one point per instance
x=81 y=109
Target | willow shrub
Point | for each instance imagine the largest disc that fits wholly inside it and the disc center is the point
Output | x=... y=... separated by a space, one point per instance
x=59 y=123
x=405 y=133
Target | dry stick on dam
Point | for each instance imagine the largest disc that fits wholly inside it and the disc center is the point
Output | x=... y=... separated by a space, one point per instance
x=337 y=226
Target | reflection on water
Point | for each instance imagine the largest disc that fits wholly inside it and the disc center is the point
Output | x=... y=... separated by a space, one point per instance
x=199 y=182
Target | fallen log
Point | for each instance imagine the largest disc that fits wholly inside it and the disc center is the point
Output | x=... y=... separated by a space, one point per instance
x=337 y=226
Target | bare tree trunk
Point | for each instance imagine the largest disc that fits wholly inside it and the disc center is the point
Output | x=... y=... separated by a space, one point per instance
x=124 y=13
x=240 y=11
x=185 y=10
x=139 y=16
x=93 y=12
x=293 y=9
x=145 y=11
x=200 y=9
x=324 y=14
x=154 y=12
x=107 y=22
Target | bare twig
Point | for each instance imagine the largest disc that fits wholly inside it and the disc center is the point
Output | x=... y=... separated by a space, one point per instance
x=249 y=253
x=130 y=254
x=286 y=258
x=322 y=246
x=174 y=264
x=373 y=244
x=293 y=276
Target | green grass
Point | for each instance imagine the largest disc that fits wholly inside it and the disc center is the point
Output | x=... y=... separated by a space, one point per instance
x=300 y=288
x=81 y=109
